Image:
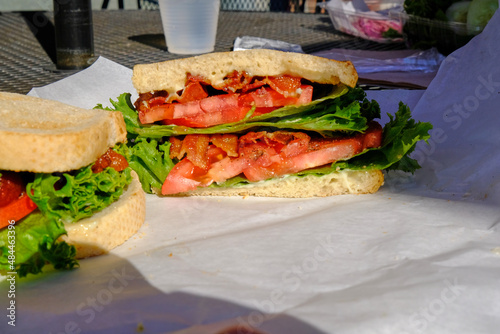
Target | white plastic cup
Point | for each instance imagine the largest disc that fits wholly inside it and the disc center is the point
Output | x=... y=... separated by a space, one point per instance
x=190 y=26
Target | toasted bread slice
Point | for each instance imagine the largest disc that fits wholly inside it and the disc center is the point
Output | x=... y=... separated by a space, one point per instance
x=46 y=136
x=171 y=75
x=337 y=183
x=110 y=227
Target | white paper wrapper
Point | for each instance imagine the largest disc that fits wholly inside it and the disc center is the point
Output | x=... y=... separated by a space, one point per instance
x=251 y=42
x=420 y=256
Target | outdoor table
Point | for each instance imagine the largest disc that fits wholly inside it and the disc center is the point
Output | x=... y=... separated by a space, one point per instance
x=129 y=37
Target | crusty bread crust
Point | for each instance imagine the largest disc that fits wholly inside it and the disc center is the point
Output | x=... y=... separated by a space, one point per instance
x=337 y=183
x=110 y=227
x=46 y=136
x=171 y=75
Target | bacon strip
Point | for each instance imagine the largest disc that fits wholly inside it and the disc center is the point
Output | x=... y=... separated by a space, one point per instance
x=110 y=159
x=227 y=142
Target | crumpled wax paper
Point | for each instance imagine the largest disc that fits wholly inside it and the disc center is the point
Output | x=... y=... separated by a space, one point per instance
x=422 y=255
x=413 y=69
x=251 y=42
x=395 y=68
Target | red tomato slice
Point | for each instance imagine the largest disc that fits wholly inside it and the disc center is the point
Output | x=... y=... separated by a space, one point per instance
x=342 y=149
x=249 y=155
x=187 y=176
x=285 y=85
x=223 y=109
x=181 y=178
x=318 y=153
x=227 y=168
x=167 y=112
x=266 y=97
x=189 y=109
x=338 y=150
x=306 y=93
x=157 y=113
x=373 y=136
x=210 y=111
x=299 y=144
x=16 y=210
x=11 y=187
x=14 y=203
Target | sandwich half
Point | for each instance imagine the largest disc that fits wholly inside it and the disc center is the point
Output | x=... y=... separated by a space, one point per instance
x=261 y=123
x=65 y=193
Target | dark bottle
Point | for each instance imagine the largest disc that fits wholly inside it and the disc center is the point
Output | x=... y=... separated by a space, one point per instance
x=74 y=34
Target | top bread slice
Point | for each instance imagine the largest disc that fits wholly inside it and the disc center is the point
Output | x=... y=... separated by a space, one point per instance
x=171 y=75
x=46 y=136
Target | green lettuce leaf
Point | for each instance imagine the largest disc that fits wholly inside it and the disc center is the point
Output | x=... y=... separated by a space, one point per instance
x=400 y=135
x=149 y=159
x=130 y=115
x=82 y=193
x=61 y=198
x=35 y=245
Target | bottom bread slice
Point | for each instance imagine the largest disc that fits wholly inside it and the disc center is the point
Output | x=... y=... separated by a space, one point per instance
x=338 y=183
x=110 y=227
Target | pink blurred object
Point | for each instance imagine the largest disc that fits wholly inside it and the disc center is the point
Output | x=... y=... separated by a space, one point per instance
x=374 y=29
x=356 y=18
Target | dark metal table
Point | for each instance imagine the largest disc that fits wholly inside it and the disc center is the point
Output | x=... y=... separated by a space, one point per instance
x=129 y=37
